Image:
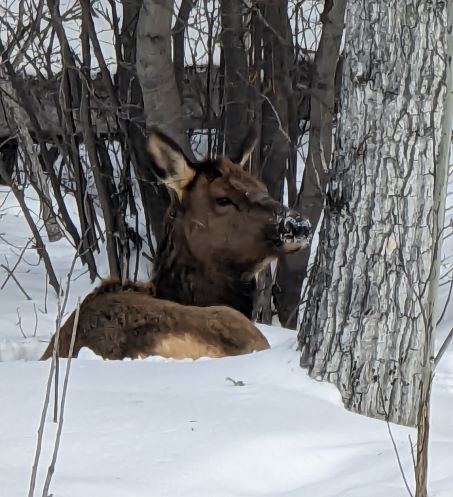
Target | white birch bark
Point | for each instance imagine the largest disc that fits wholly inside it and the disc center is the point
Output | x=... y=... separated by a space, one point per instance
x=368 y=322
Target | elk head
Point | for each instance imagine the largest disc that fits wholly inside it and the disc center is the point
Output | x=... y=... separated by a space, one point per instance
x=227 y=216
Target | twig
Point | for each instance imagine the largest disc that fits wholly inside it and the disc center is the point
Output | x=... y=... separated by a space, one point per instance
x=51 y=469
x=414 y=461
x=19 y=323
x=40 y=247
x=17 y=263
x=236 y=383
x=36 y=320
x=53 y=363
x=46 y=293
x=34 y=471
x=10 y=273
x=450 y=290
x=55 y=356
x=443 y=348
x=395 y=448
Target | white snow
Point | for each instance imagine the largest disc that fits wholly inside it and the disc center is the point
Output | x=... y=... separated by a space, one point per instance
x=168 y=428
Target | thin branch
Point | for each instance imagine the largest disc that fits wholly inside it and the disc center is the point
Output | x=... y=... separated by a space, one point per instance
x=17 y=263
x=443 y=348
x=49 y=385
x=19 y=323
x=11 y=274
x=51 y=469
x=395 y=447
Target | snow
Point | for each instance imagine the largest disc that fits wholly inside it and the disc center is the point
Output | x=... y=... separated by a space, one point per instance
x=164 y=428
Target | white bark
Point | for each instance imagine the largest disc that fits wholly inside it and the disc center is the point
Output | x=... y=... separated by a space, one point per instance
x=368 y=324
x=423 y=417
x=156 y=72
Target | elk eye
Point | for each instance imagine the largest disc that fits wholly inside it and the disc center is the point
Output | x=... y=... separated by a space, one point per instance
x=223 y=201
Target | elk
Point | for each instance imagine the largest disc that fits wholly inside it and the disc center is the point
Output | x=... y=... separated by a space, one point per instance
x=221 y=229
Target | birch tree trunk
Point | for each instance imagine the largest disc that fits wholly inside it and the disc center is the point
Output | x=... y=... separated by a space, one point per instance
x=368 y=323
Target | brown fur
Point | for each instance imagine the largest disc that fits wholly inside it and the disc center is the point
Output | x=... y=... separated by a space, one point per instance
x=210 y=254
x=221 y=229
x=116 y=323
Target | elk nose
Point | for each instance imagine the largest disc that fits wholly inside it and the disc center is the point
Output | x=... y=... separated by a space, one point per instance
x=296 y=226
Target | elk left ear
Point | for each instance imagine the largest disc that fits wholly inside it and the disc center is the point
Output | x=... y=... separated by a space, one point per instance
x=171 y=164
x=248 y=146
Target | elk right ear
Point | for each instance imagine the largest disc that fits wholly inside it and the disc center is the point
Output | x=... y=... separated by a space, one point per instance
x=172 y=165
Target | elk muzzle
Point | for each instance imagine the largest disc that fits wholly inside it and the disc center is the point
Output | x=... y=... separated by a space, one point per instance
x=294 y=231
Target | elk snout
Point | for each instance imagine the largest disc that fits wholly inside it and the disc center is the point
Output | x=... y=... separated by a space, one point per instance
x=296 y=226
x=294 y=231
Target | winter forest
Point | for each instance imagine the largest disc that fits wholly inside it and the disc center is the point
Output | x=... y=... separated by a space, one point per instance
x=226 y=256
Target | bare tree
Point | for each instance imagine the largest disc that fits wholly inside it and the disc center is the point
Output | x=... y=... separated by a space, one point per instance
x=292 y=270
x=87 y=102
x=368 y=322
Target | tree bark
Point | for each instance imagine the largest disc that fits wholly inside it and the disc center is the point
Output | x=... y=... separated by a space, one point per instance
x=275 y=92
x=423 y=417
x=17 y=118
x=178 y=35
x=368 y=322
x=236 y=83
x=156 y=72
x=292 y=269
x=274 y=134
x=160 y=97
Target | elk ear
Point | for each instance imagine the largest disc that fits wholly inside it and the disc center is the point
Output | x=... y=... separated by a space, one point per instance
x=171 y=164
x=248 y=146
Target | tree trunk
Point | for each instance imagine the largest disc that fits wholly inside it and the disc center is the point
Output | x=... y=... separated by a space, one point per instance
x=160 y=97
x=292 y=269
x=103 y=178
x=156 y=72
x=277 y=88
x=179 y=31
x=17 y=118
x=236 y=86
x=368 y=322
x=423 y=424
x=421 y=468
x=275 y=93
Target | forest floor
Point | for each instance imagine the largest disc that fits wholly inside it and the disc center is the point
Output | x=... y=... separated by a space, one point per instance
x=168 y=428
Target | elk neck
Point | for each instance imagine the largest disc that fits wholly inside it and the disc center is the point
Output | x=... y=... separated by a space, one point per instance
x=183 y=277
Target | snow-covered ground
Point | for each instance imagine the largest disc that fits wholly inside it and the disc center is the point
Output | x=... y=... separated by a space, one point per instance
x=155 y=427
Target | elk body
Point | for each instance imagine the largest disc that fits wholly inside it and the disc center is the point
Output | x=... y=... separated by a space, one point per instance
x=221 y=229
